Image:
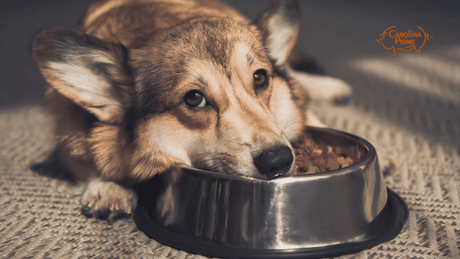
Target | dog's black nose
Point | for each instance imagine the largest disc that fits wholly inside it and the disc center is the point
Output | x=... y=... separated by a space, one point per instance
x=274 y=162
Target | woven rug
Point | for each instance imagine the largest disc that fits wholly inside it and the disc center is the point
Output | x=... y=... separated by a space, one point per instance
x=407 y=106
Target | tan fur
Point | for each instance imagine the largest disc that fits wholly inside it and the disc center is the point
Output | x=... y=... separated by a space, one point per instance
x=118 y=88
x=114 y=20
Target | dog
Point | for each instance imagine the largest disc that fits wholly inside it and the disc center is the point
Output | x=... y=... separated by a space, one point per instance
x=144 y=87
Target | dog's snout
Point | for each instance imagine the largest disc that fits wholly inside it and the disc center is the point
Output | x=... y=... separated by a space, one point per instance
x=274 y=162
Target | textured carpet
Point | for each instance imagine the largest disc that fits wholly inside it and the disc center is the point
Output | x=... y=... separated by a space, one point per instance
x=407 y=105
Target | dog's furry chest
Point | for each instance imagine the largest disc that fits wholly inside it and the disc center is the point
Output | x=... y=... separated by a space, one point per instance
x=129 y=21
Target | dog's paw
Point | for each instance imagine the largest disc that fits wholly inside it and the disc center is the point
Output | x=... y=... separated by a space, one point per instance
x=323 y=88
x=313 y=121
x=105 y=199
x=332 y=90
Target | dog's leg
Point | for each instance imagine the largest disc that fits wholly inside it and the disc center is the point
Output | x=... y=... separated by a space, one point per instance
x=80 y=167
x=107 y=199
x=322 y=88
x=313 y=121
x=166 y=200
x=165 y=206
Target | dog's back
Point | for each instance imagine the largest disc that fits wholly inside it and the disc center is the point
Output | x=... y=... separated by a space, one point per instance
x=129 y=21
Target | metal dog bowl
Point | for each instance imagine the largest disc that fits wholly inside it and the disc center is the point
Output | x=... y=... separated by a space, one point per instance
x=307 y=216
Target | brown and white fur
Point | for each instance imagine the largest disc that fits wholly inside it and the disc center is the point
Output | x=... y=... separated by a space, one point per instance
x=143 y=87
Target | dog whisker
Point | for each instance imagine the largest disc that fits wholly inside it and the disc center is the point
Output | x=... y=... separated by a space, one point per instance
x=284 y=130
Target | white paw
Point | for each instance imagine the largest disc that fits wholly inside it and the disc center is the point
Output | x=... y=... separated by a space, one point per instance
x=313 y=121
x=323 y=88
x=107 y=199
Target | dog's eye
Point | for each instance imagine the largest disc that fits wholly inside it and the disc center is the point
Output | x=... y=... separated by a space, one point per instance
x=195 y=99
x=260 y=79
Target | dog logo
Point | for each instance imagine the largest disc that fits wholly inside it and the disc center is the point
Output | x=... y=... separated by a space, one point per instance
x=405 y=41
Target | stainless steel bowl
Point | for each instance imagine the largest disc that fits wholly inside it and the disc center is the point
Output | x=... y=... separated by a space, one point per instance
x=323 y=214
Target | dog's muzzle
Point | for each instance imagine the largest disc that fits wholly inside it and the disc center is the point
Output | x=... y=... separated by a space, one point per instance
x=274 y=162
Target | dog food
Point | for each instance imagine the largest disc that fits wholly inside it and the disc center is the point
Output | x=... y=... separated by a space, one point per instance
x=317 y=157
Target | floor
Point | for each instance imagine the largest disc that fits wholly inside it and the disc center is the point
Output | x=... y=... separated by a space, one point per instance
x=407 y=105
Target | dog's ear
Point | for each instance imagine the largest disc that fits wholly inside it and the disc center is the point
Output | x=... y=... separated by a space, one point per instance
x=90 y=72
x=280 y=26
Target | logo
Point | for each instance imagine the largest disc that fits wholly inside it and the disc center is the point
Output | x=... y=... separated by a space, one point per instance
x=405 y=41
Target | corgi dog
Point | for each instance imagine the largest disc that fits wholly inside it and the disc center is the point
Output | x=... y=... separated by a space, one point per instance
x=144 y=87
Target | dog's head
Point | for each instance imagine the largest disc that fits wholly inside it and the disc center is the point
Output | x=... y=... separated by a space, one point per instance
x=211 y=93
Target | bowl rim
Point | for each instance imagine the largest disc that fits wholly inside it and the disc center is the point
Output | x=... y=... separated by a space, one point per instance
x=394 y=216
x=391 y=218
